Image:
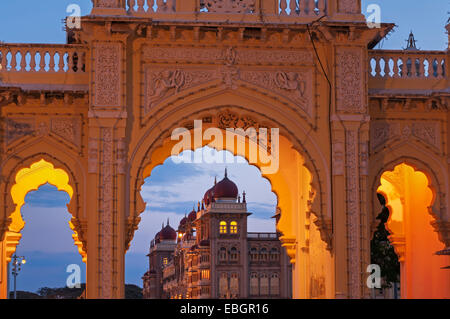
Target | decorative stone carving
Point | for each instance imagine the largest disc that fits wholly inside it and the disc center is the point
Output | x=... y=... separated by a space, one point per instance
x=42 y=129
x=216 y=55
x=338 y=158
x=121 y=156
x=427 y=132
x=106 y=215
x=67 y=128
x=93 y=155
x=350 y=86
x=353 y=220
x=364 y=158
x=229 y=6
x=108 y=69
x=296 y=86
x=17 y=128
x=162 y=83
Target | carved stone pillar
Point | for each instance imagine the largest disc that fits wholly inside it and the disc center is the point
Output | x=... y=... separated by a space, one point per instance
x=107 y=168
x=350 y=146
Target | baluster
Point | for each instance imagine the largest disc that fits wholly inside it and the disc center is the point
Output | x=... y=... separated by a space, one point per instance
x=51 y=61
x=283 y=7
x=131 y=4
x=141 y=4
x=13 y=60
x=440 y=71
x=23 y=61
x=32 y=60
x=396 y=67
x=293 y=7
x=61 y=63
x=311 y=8
x=70 y=63
x=387 y=69
x=150 y=4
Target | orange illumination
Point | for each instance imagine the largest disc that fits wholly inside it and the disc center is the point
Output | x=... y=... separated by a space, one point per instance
x=30 y=179
x=410 y=200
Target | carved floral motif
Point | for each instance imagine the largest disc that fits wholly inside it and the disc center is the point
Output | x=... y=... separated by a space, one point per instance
x=106 y=215
x=353 y=221
x=108 y=74
x=350 y=95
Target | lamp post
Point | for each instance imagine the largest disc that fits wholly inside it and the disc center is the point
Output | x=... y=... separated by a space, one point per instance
x=18 y=261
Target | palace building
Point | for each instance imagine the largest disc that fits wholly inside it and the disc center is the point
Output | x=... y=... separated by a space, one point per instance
x=213 y=256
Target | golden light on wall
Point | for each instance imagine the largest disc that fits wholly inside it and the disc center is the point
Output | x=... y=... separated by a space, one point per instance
x=409 y=199
x=30 y=179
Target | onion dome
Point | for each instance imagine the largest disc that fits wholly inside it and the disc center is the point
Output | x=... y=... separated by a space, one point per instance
x=225 y=188
x=192 y=216
x=168 y=233
x=157 y=238
x=183 y=221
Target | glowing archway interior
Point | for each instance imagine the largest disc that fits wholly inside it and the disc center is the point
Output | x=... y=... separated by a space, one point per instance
x=409 y=199
x=30 y=179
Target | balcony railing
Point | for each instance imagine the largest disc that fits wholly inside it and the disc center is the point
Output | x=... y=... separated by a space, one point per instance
x=283 y=8
x=42 y=58
x=407 y=64
x=38 y=66
x=262 y=235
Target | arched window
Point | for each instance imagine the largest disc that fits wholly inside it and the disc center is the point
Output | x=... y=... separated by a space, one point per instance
x=253 y=254
x=264 y=283
x=223 y=285
x=223 y=254
x=233 y=227
x=274 y=254
x=234 y=254
x=234 y=285
x=254 y=284
x=264 y=254
x=223 y=227
x=274 y=284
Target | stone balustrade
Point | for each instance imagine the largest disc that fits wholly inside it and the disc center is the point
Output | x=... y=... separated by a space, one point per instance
x=39 y=58
x=390 y=64
x=280 y=8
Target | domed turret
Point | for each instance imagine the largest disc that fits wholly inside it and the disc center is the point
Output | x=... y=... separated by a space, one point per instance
x=192 y=216
x=225 y=188
x=168 y=233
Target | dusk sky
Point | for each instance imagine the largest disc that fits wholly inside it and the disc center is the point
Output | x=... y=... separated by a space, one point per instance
x=173 y=189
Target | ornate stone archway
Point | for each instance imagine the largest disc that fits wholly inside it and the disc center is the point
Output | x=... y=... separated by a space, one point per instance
x=306 y=230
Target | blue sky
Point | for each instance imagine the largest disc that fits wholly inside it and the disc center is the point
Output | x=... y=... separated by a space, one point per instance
x=172 y=190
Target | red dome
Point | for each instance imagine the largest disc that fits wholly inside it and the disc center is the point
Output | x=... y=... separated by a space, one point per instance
x=157 y=237
x=225 y=188
x=192 y=216
x=168 y=233
x=183 y=221
x=208 y=195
